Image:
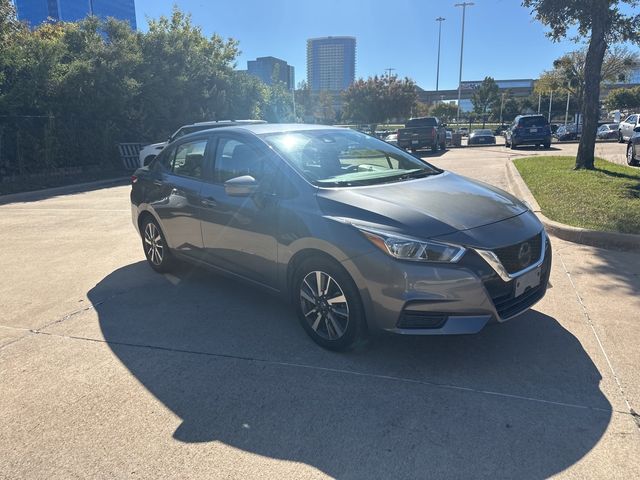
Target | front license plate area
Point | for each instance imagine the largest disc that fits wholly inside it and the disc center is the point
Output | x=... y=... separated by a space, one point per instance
x=528 y=280
x=415 y=142
x=533 y=130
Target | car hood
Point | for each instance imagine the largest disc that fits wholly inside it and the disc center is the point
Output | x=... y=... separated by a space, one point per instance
x=426 y=207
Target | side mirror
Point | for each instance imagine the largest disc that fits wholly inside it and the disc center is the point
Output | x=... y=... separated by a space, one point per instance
x=243 y=186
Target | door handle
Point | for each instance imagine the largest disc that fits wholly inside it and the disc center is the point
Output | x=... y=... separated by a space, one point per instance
x=158 y=183
x=209 y=202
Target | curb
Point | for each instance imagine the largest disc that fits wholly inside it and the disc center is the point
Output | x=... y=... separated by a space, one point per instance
x=63 y=190
x=609 y=240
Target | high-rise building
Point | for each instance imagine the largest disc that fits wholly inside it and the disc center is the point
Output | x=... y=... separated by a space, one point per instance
x=36 y=12
x=331 y=63
x=271 y=70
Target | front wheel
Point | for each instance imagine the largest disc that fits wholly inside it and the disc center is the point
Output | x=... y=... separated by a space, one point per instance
x=328 y=303
x=631 y=159
x=155 y=247
x=512 y=145
x=546 y=146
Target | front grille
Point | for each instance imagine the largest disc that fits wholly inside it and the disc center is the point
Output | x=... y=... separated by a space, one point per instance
x=520 y=256
x=502 y=293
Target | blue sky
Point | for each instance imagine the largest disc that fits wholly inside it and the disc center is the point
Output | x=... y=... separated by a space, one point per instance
x=502 y=40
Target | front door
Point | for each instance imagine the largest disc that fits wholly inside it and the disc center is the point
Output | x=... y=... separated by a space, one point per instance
x=239 y=233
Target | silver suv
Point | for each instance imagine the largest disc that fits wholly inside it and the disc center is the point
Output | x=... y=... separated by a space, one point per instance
x=359 y=235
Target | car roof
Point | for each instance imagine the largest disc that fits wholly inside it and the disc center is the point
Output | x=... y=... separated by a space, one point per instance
x=266 y=128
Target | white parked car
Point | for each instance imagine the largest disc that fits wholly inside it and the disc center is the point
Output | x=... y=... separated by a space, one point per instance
x=625 y=130
x=149 y=152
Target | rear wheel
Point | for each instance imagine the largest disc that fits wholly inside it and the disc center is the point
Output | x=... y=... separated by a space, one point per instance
x=328 y=303
x=631 y=158
x=155 y=246
x=512 y=145
x=546 y=146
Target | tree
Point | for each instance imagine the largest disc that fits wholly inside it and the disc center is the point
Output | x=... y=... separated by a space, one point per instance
x=568 y=72
x=278 y=106
x=485 y=96
x=445 y=111
x=604 y=24
x=623 y=99
x=379 y=99
x=324 y=111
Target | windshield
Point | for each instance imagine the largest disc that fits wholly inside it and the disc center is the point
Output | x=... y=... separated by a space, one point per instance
x=337 y=158
x=482 y=132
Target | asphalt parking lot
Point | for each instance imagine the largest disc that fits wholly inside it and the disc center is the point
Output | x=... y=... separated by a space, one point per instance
x=109 y=370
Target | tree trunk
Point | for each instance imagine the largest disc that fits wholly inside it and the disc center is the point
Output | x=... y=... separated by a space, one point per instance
x=591 y=104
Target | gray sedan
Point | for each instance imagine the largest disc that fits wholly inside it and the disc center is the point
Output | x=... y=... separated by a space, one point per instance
x=358 y=234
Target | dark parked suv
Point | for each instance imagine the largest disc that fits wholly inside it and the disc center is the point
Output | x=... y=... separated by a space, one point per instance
x=359 y=234
x=528 y=130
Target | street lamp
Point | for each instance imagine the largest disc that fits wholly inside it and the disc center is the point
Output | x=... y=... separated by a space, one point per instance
x=439 y=20
x=464 y=6
x=501 y=107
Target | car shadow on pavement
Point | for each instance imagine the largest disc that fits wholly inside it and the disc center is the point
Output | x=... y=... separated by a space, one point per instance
x=518 y=400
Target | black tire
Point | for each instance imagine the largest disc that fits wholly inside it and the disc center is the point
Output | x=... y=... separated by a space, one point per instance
x=336 y=325
x=512 y=145
x=632 y=161
x=434 y=147
x=620 y=139
x=155 y=246
x=546 y=146
x=443 y=146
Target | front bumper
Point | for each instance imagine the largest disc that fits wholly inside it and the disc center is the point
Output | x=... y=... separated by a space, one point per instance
x=432 y=299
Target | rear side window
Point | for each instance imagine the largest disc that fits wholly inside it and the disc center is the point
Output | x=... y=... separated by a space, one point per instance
x=632 y=119
x=533 y=122
x=422 y=122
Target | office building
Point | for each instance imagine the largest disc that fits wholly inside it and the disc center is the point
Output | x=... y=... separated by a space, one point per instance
x=35 y=12
x=271 y=70
x=331 y=63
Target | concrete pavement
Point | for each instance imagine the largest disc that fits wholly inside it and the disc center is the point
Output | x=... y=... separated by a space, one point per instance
x=110 y=370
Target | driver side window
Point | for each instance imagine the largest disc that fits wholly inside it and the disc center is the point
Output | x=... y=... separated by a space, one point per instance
x=235 y=158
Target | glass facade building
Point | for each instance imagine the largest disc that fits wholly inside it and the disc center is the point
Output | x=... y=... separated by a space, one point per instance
x=272 y=69
x=331 y=63
x=35 y=12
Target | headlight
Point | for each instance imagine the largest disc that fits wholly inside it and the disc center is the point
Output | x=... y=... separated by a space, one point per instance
x=408 y=248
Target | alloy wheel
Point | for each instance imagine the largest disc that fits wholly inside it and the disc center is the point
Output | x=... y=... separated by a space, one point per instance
x=154 y=247
x=324 y=305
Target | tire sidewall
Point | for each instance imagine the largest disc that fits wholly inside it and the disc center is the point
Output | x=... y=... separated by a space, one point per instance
x=355 y=327
x=167 y=259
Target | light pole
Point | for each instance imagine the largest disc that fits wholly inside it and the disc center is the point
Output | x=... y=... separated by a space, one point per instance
x=439 y=20
x=501 y=107
x=539 y=101
x=566 y=112
x=550 y=101
x=464 y=6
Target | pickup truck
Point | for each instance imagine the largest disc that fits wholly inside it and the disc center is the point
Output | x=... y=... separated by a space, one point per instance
x=423 y=132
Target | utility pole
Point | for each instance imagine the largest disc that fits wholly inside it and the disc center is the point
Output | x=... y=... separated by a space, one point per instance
x=439 y=20
x=566 y=112
x=464 y=6
x=550 y=100
x=539 y=102
x=389 y=70
x=501 y=107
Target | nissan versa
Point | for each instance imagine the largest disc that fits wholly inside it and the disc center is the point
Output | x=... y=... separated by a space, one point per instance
x=359 y=234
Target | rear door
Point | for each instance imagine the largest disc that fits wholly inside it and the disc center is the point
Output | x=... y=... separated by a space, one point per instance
x=174 y=195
